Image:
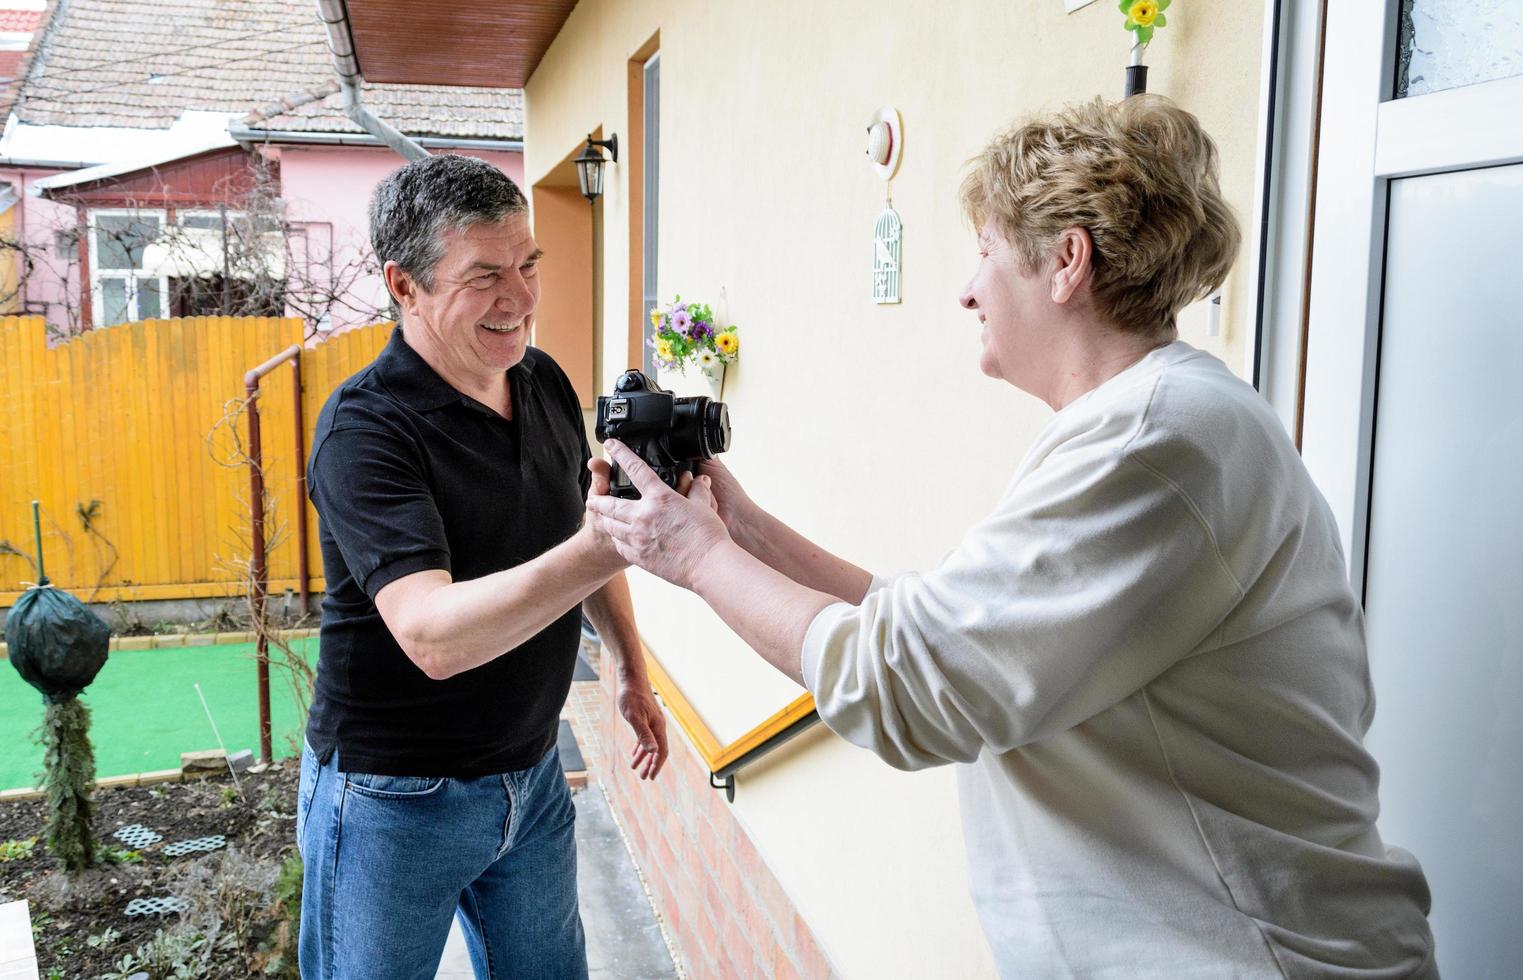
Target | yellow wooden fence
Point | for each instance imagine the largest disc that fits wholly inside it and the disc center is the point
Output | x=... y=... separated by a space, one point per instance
x=120 y=434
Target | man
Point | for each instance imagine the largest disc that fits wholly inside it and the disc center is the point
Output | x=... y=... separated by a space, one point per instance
x=449 y=478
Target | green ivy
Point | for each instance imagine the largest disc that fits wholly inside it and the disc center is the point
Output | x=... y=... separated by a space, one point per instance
x=68 y=777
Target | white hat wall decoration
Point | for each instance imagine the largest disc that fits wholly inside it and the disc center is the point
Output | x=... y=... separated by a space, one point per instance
x=885 y=147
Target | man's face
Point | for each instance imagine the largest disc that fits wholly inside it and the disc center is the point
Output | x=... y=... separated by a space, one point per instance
x=486 y=287
x=1011 y=304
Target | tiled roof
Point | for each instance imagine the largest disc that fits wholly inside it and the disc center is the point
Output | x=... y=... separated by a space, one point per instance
x=19 y=21
x=140 y=63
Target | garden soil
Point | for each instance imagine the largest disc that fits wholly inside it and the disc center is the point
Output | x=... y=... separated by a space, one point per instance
x=236 y=926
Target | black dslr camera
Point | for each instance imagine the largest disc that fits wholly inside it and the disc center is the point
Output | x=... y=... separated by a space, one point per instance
x=671 y=434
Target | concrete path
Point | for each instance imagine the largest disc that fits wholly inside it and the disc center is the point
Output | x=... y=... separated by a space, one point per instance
x=623 y=940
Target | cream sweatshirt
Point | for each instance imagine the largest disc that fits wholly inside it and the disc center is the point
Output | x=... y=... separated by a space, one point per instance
x=1151 y=666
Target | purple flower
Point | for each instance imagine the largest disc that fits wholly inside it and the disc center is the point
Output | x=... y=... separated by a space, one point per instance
x=700 y=330
x=682 y=320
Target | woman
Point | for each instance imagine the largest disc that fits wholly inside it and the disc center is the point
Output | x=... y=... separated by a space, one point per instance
x=1147 y=660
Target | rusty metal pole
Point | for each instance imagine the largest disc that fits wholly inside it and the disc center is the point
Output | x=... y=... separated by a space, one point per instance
x=303 y=572
x=259 y=587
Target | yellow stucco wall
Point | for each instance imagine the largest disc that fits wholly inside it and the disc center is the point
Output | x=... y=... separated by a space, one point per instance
x=10 y=263
x=867 y=427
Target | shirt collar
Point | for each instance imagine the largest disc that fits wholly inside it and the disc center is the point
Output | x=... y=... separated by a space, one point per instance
x=410 y=378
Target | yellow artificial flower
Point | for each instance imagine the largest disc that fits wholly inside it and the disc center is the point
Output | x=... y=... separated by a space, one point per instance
x=1143 y=13
x=655 y=319
x=727 y=343
x=664 y=349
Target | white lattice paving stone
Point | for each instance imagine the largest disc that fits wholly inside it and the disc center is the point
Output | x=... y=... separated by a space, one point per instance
x=136 y=835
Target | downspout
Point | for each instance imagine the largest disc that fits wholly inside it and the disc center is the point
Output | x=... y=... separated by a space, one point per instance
x=347 y=67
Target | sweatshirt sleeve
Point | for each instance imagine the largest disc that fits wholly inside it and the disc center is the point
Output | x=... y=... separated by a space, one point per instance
x=1094 y=575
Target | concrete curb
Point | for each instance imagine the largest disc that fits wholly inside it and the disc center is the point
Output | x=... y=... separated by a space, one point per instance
x=174 y=640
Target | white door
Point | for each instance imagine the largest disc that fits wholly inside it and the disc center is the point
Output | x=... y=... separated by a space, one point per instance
x=1413 y=427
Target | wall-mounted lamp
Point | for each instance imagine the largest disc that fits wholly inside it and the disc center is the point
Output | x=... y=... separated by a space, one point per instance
x=589 y=165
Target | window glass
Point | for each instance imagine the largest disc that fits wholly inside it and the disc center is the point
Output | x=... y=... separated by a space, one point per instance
x=1448 y=43
x=113 y=296
x=121 y=238
x=149 y=304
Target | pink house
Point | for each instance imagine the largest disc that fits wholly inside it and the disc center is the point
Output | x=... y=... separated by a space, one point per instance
x=162 y=158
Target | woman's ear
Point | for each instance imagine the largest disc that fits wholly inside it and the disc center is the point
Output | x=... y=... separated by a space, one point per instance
x=1074 y=253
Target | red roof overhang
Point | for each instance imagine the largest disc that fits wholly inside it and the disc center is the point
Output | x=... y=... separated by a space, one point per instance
x=486 y=43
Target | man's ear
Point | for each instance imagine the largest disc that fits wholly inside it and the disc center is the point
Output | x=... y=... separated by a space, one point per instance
x=1075 y=253
x=402 y=287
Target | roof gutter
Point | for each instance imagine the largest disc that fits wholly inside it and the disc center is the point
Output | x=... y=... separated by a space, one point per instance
x=347 y=67
x=27 y=162
x=250 y=134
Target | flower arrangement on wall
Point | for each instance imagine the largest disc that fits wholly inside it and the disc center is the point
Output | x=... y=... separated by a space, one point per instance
x=1143 y=17
x=687 y=335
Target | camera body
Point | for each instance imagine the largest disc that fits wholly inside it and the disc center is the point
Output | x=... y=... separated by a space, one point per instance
x=669 y=433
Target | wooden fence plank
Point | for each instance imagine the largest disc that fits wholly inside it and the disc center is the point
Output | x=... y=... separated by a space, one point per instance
x=122 y=415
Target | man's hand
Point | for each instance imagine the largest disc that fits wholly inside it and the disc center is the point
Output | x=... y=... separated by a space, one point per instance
x=638 y=706
x=592 y=526
x=665 y=533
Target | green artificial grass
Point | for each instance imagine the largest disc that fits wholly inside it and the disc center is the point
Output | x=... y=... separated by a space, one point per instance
x=144 y=710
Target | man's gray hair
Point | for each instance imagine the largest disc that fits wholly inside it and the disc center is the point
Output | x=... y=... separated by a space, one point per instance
x=415 y=205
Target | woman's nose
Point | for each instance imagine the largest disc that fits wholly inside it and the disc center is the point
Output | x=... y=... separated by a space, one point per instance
x=966 y=300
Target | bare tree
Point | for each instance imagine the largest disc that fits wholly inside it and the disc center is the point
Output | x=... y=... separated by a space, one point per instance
x=242 y=256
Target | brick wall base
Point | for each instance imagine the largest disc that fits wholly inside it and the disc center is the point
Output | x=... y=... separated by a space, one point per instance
x=721 y=907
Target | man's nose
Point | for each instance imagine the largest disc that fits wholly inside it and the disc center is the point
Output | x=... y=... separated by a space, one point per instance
x=966 y=300
x=514 y=295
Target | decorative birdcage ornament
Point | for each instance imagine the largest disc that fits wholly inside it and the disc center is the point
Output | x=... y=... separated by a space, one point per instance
x=887 y=248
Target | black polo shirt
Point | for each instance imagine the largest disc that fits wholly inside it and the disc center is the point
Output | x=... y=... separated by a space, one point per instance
x=407 y=474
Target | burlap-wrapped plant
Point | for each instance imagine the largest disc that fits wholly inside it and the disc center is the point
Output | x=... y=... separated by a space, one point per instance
x=58 y=646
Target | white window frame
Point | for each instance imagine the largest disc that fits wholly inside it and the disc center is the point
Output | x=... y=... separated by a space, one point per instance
x=1367 y=140
x=97 y=297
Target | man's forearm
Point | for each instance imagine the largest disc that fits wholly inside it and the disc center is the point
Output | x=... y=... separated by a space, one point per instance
x=789 y=552
x=451 y=627
x=612 y=613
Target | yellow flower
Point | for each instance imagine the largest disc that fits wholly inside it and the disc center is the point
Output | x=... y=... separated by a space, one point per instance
x=655 y=319
x=664 y=349
x=1143 y=13
x=727 y=343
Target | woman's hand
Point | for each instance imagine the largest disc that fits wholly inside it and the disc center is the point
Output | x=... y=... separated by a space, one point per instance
x=665 y=533
x=736 y=508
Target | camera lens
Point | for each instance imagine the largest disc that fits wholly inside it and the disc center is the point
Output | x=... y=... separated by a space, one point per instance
x=716 y=428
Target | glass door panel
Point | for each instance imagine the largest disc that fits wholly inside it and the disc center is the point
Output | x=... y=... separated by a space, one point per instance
x=1444 y=586
x=1448 y=43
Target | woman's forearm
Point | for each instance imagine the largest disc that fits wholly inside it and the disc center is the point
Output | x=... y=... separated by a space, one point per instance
x=765 y=607
x=795 y=556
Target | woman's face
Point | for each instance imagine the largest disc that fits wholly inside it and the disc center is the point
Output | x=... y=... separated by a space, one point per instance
x=1013 y=307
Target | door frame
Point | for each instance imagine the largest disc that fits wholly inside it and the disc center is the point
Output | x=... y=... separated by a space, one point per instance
x=1366 y=139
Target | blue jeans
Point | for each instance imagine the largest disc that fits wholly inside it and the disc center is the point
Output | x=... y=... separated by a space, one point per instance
x=389 y=860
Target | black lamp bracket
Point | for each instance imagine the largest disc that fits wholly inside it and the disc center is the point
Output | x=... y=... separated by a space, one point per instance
x=611 y=144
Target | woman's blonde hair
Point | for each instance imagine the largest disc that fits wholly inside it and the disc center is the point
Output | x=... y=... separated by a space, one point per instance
x=1140 y=176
